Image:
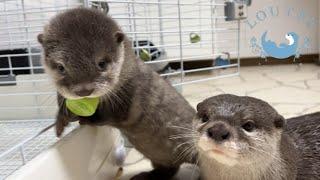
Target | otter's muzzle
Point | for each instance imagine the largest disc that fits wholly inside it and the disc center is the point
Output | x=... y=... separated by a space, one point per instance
x=219 y=132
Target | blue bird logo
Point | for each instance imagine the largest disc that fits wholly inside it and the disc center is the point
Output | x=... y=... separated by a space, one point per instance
x=283 y=50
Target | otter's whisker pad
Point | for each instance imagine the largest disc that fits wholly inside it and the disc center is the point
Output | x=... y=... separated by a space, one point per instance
x=83 y=107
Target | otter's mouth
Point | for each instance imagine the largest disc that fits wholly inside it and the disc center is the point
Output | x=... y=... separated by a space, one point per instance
x=223 y=156
x=66 y=93
x=223 y=153
x=207 y=145
x=218 y=151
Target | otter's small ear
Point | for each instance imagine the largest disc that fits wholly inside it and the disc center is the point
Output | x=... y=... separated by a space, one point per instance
x=40 y=38
x=119 y=37
x=279 y=122
x=199 y=106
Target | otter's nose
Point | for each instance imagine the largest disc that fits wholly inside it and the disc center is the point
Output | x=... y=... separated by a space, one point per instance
x=84 y=92
x=218 y=132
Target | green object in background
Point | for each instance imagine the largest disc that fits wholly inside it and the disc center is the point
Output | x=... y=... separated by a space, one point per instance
x=83 y=107
x=194 y=38
x=145 y=55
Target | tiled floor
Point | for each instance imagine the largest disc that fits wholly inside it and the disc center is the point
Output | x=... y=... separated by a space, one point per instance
x=293 y=90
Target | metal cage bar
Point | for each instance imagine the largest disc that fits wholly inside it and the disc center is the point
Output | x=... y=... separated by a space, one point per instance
x=168 y=31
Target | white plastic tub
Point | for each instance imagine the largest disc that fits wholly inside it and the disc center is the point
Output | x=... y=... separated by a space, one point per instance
x=86 y=153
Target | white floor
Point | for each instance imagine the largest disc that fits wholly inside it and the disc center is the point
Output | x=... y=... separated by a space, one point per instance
x=293 y=90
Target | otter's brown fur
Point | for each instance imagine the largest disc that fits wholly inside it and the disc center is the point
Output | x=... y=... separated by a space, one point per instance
x=255 y=142
x=133 y=98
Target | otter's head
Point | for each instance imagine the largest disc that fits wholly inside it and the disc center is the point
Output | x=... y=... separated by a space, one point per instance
x=237 y=130
x=83 y=52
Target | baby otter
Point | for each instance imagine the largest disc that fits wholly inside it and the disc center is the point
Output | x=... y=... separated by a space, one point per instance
x=87 y=55
x=244 y=138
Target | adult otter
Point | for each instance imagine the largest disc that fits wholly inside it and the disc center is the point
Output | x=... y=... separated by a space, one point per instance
x=87 y=55
x=244 y=138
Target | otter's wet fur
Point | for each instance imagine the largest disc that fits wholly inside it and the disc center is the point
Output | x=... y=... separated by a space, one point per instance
x=85 y=52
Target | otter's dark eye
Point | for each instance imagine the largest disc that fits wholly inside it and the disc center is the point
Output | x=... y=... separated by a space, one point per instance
x=204 y=118
x=249 y=126
x=61 y=69
x=102 y=65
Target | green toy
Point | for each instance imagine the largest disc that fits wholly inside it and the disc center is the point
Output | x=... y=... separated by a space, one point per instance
x=194 y=38
x=83 y=107
x=144 y=55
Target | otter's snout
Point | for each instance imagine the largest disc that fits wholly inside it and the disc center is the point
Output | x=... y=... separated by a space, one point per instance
x=83 y=89
x=219 y=132
x=84 y=92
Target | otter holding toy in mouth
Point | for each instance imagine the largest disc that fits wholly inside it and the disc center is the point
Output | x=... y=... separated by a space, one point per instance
x=88 y=56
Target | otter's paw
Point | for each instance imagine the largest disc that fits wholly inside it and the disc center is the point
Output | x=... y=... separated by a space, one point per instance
x=150 y=176
x=86 y=121
x=142 y=176
x=61 y=123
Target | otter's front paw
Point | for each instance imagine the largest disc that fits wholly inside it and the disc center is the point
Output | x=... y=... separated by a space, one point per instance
x=141 y=176
x=61 y=123
x=152 y=175
x=86 y=121
x=94 y=120
x=62 y=120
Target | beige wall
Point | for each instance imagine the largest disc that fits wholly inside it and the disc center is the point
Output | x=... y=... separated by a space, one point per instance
x=282 y=24
x=277 y=26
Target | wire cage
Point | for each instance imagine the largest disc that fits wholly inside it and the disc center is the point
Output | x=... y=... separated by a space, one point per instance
x=166 y=31
x=163 y=32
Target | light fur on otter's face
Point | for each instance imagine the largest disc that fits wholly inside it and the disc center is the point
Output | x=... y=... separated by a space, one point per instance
x=238 y=131
x=83 y=52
